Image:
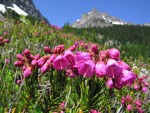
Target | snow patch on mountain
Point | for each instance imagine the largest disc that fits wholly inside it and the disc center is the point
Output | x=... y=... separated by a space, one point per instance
x=95 y=18
x=2 y=8
x=15 y=8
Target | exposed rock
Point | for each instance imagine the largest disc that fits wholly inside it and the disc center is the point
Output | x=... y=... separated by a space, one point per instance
x=27 y=6
x=97 y=19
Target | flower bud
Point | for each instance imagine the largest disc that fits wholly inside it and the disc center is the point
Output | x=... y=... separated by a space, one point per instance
x=47 y=50
x=27 y=72
x=19 y=63
x=129 y=107
x=20 y=57
x=114 y=53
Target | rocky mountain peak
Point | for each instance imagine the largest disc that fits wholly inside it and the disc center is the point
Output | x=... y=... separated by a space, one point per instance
x=95 y=18
x=25 y=5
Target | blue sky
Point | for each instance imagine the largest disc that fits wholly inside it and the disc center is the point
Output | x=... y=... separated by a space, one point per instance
x=59 y=12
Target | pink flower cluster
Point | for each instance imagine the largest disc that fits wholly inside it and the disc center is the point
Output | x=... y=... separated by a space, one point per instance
x=132 y=104
x=89 y=63
x=141 y=84
x=3 y=40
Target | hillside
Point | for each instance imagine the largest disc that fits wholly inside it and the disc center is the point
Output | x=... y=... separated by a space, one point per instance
x=133 y=39
x=48 y=69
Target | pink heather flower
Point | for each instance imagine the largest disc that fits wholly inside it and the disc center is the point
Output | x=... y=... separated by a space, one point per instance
x=76 y=43
x=139 y=110
x=103 y=54
x=128 y=77
x=129 y=98
x=124 y=65
x=94 y=48
x=45 y=68
x=34 y=62
x=1 y=38
x=51 y=58
x=136 y=87
x=129 y=107
x=138 y=103
x=26 y=52
x=145 y=89
x=123 y=100
x=7 y=61
x=41 y=61
x=6 y=40
x=47 y=50
x=27 y=72
x=113 y=69
x=24 y=68
x=93 y=111
x=60 y=62
x=146 y=83
x=82 y=56
x=6 y=33
x=114 y=53
x=70 y=57
x=19 y=63
x=20 y=57
x=18 y=82
x=100 y=69
x=32 y=57
x=37 y=57
x=72 y=48
x=62 y=104
x=144 y=77
x=86 y=68
x=109 y=83
x=62 y=48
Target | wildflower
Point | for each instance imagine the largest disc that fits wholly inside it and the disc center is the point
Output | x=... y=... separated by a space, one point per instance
x=47 y=50
x=72 y=48
x=6 y=40
x=123 y=100
x=37 y=57
x=145 y=89
x=138 y=103
x=20 y=57
x=93 y=111
x=146 y=84
x=34 y=62
x=136 y=87
x=42 y=61
x=129 y=98
x=82 y=56
x=124 y=65
x=26 y=52
x=60 y=62
x=139 y=110
x=100 y=69
x=70 y=57
x=86 y=68
x=109 y=83
x=128 y=77
x=27 y=72
x=129 y=107
x=114 y=53
x=94 y=48
x=19 y=63
x=7 y=61
x=45 y=68
x=113 y=69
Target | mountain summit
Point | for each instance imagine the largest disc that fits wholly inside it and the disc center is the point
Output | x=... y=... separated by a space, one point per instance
x=97 y=19
x=26 y=6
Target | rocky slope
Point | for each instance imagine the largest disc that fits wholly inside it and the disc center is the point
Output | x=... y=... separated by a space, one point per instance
x=97 y=19
x=27 y=6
